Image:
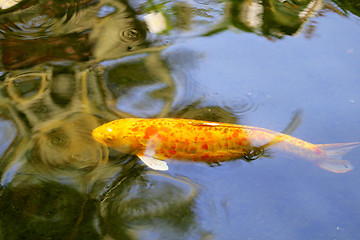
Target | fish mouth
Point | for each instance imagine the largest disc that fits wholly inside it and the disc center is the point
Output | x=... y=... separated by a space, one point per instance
x=98 y=136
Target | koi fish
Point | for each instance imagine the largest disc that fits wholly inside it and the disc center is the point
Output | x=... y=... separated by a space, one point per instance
x=156 y=140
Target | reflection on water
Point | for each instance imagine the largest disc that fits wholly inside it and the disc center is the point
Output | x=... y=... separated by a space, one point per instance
x=159 y=203
x=7 y=135
x=69 y=66
x=45 y=210
x=68 y=145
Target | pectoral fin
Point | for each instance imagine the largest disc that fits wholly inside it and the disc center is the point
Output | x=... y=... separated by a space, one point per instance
x=154 y=163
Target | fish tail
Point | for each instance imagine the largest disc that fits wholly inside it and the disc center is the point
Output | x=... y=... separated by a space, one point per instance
x=333 y=161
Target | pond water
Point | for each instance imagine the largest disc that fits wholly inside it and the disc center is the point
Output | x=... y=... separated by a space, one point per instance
x=69 y=66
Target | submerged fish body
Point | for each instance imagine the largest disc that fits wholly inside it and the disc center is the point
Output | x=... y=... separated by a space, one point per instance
x=155 y=140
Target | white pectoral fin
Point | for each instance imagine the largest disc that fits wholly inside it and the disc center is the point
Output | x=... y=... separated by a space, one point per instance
x=154 y=163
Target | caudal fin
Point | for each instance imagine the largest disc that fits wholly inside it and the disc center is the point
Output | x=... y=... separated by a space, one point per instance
x=334 y=152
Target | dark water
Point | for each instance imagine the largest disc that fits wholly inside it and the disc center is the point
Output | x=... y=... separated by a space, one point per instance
x=69 y=66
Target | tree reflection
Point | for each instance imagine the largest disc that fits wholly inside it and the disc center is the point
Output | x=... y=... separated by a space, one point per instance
x=349 y=6
x=55 y=108
x=47 y=210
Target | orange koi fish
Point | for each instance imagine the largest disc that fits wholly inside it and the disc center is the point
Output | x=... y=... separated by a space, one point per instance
x=156 y=140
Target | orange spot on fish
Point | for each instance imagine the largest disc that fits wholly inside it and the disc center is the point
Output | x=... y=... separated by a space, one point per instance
x=235 y=134
x=239 y=143
x=160 y=151
x=171 y=151
x=150 y=131
x=205 y=156
x=205 y=147
x=135 y=129
x=317 y=151
x=163 y=138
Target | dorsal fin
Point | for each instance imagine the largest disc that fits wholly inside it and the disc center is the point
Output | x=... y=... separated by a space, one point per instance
x=213 y=124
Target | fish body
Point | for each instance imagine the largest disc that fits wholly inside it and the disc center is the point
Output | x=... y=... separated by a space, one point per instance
x=211 y=142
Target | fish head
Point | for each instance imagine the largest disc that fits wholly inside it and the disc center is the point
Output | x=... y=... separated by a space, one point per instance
x=103 y=134
x=115 y=137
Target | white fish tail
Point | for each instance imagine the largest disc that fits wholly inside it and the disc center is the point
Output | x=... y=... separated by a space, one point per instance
x=333 y=162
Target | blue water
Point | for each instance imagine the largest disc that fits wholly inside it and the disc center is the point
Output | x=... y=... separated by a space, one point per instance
x=281 y=198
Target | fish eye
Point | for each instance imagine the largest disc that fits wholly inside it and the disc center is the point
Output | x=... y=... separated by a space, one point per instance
x=108 y=139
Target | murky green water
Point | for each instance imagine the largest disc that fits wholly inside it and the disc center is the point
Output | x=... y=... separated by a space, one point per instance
x=69 y=66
